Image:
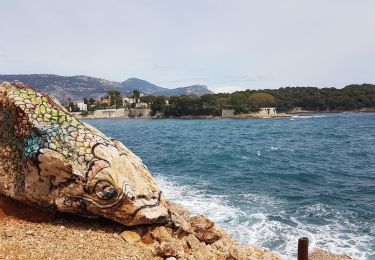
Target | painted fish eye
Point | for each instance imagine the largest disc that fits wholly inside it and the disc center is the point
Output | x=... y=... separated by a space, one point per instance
x=105 y=190
x=108 y=192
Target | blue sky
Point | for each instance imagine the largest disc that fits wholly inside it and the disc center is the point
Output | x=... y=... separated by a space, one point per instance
x=226 y=45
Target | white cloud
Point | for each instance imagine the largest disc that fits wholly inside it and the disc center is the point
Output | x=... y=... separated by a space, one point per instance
x=184 y=81
x=289 y=42
x=227 y=89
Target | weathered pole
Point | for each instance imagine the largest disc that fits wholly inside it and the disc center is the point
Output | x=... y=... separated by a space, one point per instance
x=303 y=248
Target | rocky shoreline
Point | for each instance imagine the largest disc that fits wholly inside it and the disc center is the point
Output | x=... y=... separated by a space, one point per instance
x=30 y=233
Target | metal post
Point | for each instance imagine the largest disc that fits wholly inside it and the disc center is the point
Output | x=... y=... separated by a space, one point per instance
x=303 y=248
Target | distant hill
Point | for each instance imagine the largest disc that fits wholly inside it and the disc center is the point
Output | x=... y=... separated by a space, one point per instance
x=148 y=88
x=78 y=87
x=61 y=87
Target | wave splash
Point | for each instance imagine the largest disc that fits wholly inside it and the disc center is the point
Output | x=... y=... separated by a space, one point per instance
x=263 y=224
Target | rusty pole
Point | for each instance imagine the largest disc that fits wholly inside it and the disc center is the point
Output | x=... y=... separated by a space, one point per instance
x=303 y=248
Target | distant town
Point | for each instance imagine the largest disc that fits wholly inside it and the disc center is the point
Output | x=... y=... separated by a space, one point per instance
x=241 y=104
x=113 y=100
x=138 y=105
x=114 y=105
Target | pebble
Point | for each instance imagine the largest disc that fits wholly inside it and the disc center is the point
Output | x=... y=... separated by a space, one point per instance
x=29 y=232
x=8 y=233
x=130 y=237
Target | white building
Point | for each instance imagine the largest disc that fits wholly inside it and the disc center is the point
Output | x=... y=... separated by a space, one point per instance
x=227 y=112
x=81 y=105
x=127 y=101
x=267 y=111
x=141 y=105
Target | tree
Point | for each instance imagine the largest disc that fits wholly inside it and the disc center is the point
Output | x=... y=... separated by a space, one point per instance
x=136 y=95
x=258 y=100
x=91 y=104
x=238 y=103
x=148 y=99
x=158 y=106
x=115 y=97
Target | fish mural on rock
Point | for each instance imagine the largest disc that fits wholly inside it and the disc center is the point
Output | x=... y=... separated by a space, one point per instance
x=51 y=159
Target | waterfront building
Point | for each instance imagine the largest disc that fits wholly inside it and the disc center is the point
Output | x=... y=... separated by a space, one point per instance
x=267 y=111
x=128 y=101
x=81 y=105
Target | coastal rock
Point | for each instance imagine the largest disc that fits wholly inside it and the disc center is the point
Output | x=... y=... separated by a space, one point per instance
x=178 y=209
x=198 y=255
x=51 y=159
x=130 y=237
x=319 y=254
x=204 y=229
x=179 y=216
x=170 y=249
x=193 y=242
x=161 y=234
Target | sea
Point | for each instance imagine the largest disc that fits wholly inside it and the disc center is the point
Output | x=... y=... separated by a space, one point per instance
x=268 y=182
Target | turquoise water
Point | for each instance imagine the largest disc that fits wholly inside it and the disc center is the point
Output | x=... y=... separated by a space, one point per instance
x=268 y=181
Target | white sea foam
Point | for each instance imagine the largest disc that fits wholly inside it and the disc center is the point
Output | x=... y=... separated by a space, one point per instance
x=199 y=203
x=280 y=233
x=308 y=116
x=273 y=148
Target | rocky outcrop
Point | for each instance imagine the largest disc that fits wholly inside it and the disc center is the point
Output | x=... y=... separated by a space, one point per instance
x=204 y=229
x=51 y=159
x=203 y=239
x=192 y=237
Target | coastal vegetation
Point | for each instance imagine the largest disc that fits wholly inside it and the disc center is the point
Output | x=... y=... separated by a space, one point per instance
x=351 y=97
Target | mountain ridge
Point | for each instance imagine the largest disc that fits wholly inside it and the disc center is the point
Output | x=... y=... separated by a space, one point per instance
x=81 y=86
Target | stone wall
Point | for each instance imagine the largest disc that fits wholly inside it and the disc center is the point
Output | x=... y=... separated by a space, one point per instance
x=117 y=113
x=227 y=112
x=138 y=112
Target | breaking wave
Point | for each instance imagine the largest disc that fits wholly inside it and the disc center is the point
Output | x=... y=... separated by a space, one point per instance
x=261 y=222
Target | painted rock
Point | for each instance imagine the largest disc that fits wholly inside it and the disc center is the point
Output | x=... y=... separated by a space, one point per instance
x=51 y=159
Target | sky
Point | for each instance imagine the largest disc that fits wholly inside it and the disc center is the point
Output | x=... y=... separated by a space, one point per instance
x=227 y=45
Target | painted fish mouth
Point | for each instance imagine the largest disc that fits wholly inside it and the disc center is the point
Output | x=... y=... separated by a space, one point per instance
x=152 y=213
x=157 y=203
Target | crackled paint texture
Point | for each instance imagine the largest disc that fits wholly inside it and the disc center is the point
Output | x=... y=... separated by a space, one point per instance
x=49 y=158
